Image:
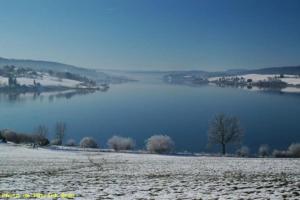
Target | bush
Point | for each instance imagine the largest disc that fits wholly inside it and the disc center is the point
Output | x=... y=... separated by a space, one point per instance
x=88 y=142
x=55 y=142
x=264 y=150
x=280 y=154
x=244 y=151
x=159 y=144
x=40 y=139
x=2 y=138
x=292 y=152
x=24 y=138
x=10 y=135
x=120 y=143
x=43 y=142
x=71 y=142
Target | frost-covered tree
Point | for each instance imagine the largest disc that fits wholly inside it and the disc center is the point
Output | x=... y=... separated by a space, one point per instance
x=60 y=132
x=120 y=143
x=71 y=142
x=55 y=142
x=88 y=142
x=264 y=150
x=244 y=151
x=9 y=135
x=294 y=150
x=224 y=130
x=160 y=144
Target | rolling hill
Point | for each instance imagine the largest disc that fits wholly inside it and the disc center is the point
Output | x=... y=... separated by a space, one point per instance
x=45 y=66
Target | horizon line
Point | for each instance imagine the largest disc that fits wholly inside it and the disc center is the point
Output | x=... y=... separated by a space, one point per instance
x=143 y=70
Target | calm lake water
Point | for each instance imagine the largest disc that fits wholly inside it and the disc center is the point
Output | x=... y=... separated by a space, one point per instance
x=141 y=109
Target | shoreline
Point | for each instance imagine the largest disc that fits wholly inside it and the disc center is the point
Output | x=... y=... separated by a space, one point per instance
x=77 y=149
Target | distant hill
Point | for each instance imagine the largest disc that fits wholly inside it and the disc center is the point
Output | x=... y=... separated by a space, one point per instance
x=295 y=70
x=192 y=76
x=40 y=65
x=107 y=75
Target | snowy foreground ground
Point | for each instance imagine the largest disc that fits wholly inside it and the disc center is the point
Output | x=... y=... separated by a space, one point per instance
x=98 y=175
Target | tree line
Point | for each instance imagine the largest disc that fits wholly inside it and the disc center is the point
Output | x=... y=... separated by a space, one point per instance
x=223 y=131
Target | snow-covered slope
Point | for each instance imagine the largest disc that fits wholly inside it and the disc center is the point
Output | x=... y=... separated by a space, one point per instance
x=40 y=65
x=50 y=81
x=45 y=80
x=99 y=175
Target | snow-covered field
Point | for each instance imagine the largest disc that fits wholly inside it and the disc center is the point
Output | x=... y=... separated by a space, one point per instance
x=99 y=175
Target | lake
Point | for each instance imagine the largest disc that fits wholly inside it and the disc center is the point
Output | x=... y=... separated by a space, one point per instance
x=141 y=109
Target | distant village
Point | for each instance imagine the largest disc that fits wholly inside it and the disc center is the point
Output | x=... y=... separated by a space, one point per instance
x=271 y=81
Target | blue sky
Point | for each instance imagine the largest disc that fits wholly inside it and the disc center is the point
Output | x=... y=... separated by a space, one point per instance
x=153 y=34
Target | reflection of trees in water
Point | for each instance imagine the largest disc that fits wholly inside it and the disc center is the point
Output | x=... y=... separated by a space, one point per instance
x=14 y=97
x=11 y=97
x=70 y=94
x=20 y=97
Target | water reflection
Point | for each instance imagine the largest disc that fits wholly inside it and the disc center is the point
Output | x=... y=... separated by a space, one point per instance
x=20 y=97
x=139 y=110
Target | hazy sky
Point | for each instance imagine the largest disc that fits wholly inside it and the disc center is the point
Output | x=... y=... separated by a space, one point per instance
x=153 y=34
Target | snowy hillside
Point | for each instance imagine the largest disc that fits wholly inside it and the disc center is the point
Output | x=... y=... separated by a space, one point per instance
x=14 y=78
x=100 y=175
x=40 y=65
x=44 y=80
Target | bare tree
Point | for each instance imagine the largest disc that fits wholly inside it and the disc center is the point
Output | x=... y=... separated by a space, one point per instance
x=40 y=135
x=60 y=131
x=224 y=130
x=42 y=130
